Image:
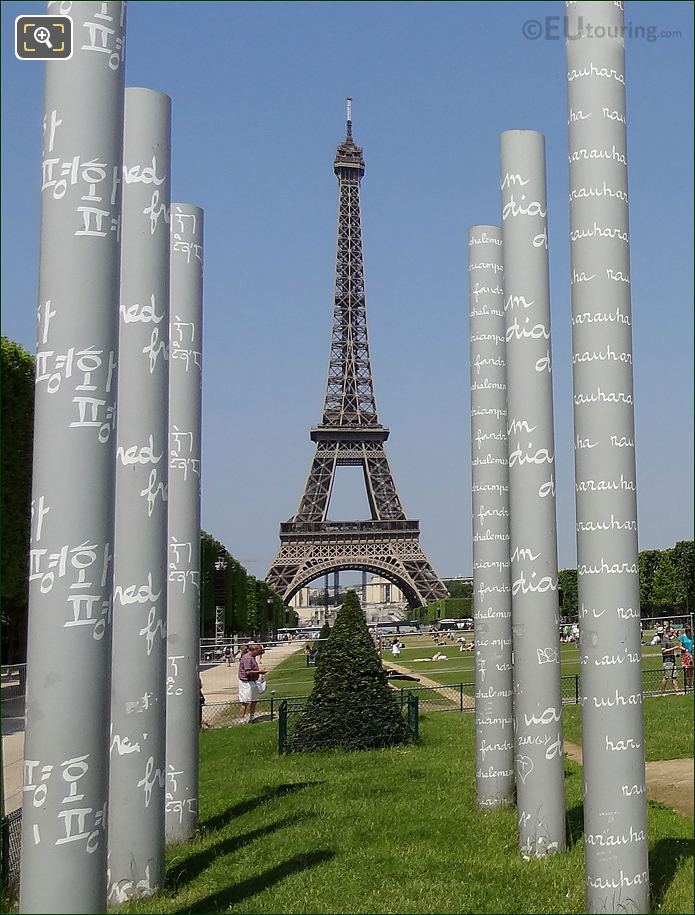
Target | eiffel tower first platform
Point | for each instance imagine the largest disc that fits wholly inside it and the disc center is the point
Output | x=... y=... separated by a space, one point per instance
x=350 y=434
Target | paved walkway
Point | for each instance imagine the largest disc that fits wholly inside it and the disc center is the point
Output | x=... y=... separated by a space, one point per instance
x=220 y=682
x=452 y=695
x=669 y=781
x=12 y=766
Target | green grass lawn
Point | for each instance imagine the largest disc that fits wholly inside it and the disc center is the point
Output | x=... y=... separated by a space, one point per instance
x=383 y=831
x=668 y=726
x=293 y=678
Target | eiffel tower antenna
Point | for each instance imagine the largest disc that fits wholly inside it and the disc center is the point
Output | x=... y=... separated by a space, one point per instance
x=388 y=543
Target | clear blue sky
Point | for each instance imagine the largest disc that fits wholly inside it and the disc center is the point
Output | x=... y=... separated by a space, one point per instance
x=258 y=100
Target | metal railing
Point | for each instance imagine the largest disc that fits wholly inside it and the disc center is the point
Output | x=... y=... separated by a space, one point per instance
x=11 y=846
x=12 y=686
x=456 y=697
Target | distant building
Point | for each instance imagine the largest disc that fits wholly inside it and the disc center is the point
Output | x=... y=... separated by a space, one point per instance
x=382 y=600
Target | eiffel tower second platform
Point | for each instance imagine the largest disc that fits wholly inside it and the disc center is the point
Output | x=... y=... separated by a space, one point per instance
x=388 y=544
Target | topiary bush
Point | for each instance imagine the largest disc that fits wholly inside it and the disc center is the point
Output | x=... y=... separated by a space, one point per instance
x=323 y=634
x=351 y=705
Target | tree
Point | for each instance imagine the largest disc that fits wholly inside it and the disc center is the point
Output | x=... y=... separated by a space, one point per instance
x=683 y=558
x=325 y=633
x=17 y=380
x=351 y=705
x=448 y=608
x=567 y=584
x=648 y=560
x=210 y=550
x=667 y=590
x=459 y=588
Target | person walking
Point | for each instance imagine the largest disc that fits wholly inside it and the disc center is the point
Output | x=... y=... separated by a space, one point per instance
x=249 y=672
x=686 y=642
x=668 y=657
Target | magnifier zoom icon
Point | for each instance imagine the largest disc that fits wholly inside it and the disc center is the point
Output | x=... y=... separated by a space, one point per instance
x=43 y=36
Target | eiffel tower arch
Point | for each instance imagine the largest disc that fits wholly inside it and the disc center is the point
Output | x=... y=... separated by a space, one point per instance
x=387 y=544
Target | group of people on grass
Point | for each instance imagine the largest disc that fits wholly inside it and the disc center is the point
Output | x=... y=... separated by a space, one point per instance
x=673 y=642
x=569 y=632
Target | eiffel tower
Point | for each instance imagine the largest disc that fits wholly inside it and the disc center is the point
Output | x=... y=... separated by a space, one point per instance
x=350 y=434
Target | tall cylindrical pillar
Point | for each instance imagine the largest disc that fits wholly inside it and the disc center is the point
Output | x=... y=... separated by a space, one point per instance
x=185 y=394
x=617 y=872
x=492 y=603
x=138 y=693
x=66 y=749
x=533 y=544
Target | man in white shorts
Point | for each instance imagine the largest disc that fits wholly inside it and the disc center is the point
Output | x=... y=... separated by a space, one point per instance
x=249 y=672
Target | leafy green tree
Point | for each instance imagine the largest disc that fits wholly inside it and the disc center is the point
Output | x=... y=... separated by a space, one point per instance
x=210 y=550
x=254 y=623
x=648 y=560
x=17 y=381
x=351 y=705
x=683 y=558
x=667 y=590
x=453 y=608
x=324 y=633
x=459 y=588
x=567 y=583
x=251 y=607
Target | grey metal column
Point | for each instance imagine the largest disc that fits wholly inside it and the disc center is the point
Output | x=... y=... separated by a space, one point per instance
x=492 y=602
x=617 y=872
x=66 y=757
x=537 y=685
x=138 y=703
x=185 y=393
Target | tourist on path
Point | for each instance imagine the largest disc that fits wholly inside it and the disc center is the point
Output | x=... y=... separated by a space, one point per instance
x=249 y=672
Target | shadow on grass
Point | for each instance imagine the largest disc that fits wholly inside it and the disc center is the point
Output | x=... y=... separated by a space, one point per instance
x=188 y=869
x=575 y=825
x=220 y=902
x=664 y=861
x=269 y=794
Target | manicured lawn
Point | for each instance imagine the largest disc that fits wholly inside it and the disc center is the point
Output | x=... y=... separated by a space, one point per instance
x=293 y=678
x=384 y=831
x=668 y=726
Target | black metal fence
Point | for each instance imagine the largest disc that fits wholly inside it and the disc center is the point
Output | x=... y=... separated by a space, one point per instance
x=456 y=697
x=11 y=845
x=289 y=713
x=460 y=697
x=228 y=714
x=290 y=710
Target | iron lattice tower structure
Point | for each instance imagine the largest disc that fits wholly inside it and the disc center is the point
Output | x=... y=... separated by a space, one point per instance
x=350 y=434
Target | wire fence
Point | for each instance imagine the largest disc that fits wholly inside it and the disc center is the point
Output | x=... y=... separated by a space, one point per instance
x=455 y=697
x=228 y=714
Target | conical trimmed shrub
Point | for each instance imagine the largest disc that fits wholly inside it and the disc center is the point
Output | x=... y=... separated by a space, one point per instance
x=351 y=705
x=324 y=635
